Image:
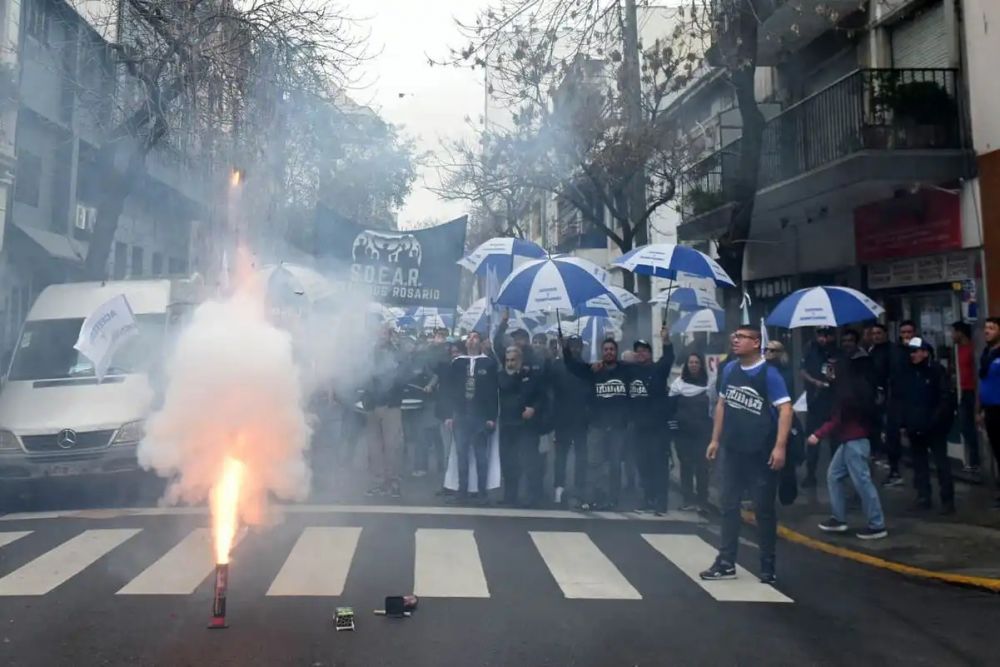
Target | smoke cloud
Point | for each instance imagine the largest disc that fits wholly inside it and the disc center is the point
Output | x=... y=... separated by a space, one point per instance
x=233 y=390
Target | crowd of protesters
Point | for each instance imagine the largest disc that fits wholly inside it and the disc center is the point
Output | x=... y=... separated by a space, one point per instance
x=627 y=419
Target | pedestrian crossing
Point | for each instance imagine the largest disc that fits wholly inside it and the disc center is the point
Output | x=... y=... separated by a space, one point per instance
x=447 y=563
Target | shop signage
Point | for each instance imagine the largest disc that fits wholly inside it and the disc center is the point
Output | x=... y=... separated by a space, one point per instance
x=927 y=222
x=946 y=268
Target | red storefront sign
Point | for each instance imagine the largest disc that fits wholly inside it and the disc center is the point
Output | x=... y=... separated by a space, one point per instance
x=927 y=222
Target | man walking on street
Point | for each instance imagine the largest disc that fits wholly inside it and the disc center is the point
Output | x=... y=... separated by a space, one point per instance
x=471 y=390
x=922 y=402
x=989 y=388
x=571 y=419
x=753 y=417
x=816 y=371
x=647 y=391
x=965 y=370
x=609 y=405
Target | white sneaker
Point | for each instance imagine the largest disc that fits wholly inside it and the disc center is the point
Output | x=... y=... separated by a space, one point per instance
x=559 y=494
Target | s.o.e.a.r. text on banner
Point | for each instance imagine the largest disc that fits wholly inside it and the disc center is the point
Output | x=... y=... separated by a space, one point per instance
x=403 y=267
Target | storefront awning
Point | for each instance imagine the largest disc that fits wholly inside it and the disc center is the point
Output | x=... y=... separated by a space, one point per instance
x=55 y=245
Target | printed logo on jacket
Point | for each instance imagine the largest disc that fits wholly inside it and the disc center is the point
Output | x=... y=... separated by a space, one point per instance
x=612 y=388
x=744 y=398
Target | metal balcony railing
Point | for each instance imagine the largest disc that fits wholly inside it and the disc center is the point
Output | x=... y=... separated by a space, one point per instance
x=870 y=109
x=710 y=183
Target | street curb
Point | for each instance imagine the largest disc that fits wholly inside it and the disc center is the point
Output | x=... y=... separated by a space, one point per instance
x=967 y=581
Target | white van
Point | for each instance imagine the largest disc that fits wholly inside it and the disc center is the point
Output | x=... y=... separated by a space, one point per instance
x=56 y=419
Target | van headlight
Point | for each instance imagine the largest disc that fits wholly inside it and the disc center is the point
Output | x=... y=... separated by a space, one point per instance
x=130 y=433
x=8 y=441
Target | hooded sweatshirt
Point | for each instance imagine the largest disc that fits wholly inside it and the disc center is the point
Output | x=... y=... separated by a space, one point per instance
x=692 y=407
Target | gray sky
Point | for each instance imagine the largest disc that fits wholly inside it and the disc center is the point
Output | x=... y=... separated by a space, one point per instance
x=436 y=99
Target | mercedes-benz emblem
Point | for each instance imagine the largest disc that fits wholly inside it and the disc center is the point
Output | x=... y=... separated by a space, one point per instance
x=66 y=438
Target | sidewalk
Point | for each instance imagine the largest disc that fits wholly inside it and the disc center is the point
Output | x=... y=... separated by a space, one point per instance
x=965 y=544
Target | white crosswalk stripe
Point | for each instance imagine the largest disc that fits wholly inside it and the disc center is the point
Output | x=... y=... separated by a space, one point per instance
x=447 y=565
x=12 y=536
x=319 y=562
x=581 y=569
x=691 y=554
x=41 y=575
x=179 y=571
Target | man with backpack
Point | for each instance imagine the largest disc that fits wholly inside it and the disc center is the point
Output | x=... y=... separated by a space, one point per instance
x=753 y=417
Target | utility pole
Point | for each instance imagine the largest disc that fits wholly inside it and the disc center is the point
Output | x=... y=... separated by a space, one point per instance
x=636 y=190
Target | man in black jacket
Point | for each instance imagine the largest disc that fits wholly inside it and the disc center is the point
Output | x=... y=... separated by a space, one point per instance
x=520 y=395
x=381 y=400
x=647 y=391
x=470 y=390
x=571 y=395
x=899 y=369
x=922 y=404
x=609 y=409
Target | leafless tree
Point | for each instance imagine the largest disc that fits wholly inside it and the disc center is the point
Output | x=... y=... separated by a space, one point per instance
x=205 y=80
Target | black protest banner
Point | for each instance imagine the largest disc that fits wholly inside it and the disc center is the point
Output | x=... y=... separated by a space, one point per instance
x=397 y=267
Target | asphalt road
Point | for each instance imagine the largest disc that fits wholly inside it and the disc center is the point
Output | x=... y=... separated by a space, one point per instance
x=536 y=588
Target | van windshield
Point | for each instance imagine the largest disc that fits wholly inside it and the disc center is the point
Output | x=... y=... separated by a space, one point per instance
x=46 y=352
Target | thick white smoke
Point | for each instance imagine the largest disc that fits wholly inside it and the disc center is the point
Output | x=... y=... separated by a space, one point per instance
x=233 y=389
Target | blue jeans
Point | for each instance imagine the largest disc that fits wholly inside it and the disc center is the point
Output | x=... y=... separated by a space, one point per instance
x=851 y=460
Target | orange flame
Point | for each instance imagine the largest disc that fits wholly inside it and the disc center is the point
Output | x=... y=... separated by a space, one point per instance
x=235 y=177
x=225 y=501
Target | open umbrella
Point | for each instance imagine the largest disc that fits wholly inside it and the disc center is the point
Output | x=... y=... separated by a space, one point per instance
x=431 y=318
x=602 y=306
x=705 y=320
x=823 y=307
x=687 y=298
x=666 y=260
x=502 y=254
x=477 y=318
x=556 y=283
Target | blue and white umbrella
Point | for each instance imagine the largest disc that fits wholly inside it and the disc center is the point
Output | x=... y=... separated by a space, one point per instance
x=687 y=298
x=602 y=306
x=430 y=318
x=556 y=283
x=701 y=321
x=502 y=254
x=823 y=307
x=666 y=260
x=477 y=318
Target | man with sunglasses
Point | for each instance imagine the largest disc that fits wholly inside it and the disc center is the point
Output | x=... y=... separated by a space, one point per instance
x=753 y=417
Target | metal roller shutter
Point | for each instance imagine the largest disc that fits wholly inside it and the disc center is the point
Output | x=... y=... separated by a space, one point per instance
x=922 y=41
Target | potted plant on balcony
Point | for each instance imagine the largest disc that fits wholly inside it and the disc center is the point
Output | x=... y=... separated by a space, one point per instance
x=699 y=200
x=910 y=114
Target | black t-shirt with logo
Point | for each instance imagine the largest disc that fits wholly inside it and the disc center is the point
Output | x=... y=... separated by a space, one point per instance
x=647 y=390
x=609 y=401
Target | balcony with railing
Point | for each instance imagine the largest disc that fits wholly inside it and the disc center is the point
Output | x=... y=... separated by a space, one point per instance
x=895 y=110
x=874 y=130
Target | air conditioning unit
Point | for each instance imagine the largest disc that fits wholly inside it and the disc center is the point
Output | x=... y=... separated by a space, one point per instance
x=86 y=216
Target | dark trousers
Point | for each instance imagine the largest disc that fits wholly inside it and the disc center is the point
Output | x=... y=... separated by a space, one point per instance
x=693 y=466
x=893 y=444
x=815 y=419
x=472 y=435
x=571 y=437
x=428 y=445
x=970 y=432
x=923 y=446
x=653 y=454
x=605 y=447
x=748 y=471
x=519 y=458
x=991 y=414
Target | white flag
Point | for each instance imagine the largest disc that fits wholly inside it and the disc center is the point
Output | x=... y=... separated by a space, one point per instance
x=764 y=339
x=104 y=331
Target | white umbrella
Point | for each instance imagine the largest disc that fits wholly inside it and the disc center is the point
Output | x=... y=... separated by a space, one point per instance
x=705 y=320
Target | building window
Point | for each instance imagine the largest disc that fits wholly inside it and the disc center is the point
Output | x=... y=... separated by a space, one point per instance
x=177 y=267
x=138 y=263
x=120 y=268
x=157 y=264
x=27 y=179
x=36 y=20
